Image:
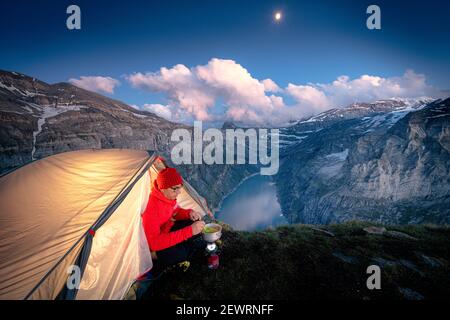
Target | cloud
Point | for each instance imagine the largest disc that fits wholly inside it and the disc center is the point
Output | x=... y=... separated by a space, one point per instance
x=315 y=98
x=308 y=98
x=367 y=88
x=270 y=86
x=182 y=87
x=97 y=84
x=233 y=82
x=159 y=110
x=224 y=90
x=196 y=91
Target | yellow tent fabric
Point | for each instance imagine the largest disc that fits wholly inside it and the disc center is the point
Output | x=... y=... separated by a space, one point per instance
x=47 y=208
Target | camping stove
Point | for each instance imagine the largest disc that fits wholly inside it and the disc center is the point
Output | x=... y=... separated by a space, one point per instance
x=211 y=248
x=213 y=256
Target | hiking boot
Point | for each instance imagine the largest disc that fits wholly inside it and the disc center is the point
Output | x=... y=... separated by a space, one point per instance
x=174 y=296
x=184 y=266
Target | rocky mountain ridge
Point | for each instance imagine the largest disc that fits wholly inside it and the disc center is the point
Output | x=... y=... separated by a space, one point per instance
x=39 y=119
x=386 y=161
x=389 y=167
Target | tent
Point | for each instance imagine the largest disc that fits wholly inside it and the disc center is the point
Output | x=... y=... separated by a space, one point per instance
x=70 y=224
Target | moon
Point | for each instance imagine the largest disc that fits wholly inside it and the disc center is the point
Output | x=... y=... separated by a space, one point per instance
x=278 y=16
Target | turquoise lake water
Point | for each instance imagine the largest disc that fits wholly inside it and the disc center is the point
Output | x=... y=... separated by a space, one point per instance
x=252 y=206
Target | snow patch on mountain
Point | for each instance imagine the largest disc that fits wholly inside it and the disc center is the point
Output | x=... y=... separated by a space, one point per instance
x=49 y=112
x=341 y=156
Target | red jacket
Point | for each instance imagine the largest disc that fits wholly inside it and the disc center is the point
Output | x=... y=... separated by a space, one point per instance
x=159 y=217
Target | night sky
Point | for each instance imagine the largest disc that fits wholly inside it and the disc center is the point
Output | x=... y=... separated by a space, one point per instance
x=126 y=43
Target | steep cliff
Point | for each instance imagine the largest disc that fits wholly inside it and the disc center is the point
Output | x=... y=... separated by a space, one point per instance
x=390 y=167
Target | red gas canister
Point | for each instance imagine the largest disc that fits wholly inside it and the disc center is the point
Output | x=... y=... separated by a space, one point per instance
x=213 y=261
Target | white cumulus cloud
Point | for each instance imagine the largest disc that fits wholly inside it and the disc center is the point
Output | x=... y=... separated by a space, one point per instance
x=197 y=90
x=270 y=86
x=182 y=87
x=158 y=109
x=367 y=88
x=96 y=83
x=309 y=99
x=224 y=90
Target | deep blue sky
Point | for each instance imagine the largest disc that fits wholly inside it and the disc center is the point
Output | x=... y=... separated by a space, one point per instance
x=316 y=41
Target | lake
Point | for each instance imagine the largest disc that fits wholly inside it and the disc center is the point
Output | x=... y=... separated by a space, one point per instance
x=252 y=206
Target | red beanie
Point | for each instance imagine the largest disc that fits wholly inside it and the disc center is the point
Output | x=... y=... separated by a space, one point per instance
x=168 y=177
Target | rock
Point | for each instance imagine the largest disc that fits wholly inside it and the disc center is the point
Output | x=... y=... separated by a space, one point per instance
x=346 y=259
x=410 y=294
x=383 y=262
x=411 y=266
x=331 y=234
x=375 y=163
x=38 y=119
x=228 y=125
x=399 y=235
x=375 y=230
x=432 y=262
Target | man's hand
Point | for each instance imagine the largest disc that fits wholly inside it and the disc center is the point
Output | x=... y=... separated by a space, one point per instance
x=197 y=227
x=195 y=216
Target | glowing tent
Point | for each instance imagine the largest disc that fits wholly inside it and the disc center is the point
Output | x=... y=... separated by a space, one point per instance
x=79 y=212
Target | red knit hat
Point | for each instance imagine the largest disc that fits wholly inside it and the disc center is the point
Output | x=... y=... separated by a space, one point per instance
x=168 y=177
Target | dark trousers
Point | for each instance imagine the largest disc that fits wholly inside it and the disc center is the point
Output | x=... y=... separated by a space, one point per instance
x=178 y=253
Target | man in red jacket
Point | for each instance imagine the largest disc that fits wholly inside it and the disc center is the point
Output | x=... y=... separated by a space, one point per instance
x=169 y=229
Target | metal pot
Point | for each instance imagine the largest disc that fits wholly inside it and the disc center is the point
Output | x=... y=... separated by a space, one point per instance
x=213 y=236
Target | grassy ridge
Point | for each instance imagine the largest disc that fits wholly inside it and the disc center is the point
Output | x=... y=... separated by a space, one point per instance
x=298 y=262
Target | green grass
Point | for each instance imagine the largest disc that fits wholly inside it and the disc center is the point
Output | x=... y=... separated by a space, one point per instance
x=297 y=262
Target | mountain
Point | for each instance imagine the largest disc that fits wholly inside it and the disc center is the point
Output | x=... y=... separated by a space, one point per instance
x=388 y=163
x=396 y=108
x=228 y=125
x=39 y=119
